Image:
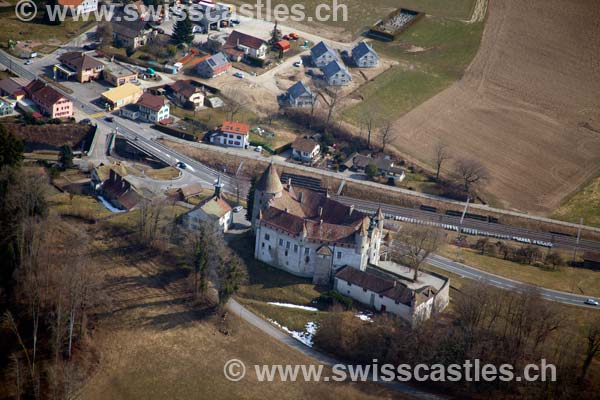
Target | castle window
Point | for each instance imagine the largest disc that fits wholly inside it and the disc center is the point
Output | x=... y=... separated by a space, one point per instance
x=307 y=260
x=286 y=253
x=267 y=237
x=339 y=255
x=364 y=290
x=295 y=248
x=281 y=242
x=263 y=245
x=307 y=250
x=287 y=245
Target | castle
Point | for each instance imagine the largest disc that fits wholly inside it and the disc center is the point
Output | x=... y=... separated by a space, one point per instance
x=308 y=234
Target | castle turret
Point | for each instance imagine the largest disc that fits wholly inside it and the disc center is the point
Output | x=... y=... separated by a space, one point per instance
x=267 y=187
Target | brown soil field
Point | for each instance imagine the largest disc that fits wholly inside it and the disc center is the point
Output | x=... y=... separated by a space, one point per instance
x=528 y=106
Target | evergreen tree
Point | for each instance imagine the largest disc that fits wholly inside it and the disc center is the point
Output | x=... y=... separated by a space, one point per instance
x=11 y=148
x=250 y=199
x=182 y=32
x=66 y=156
x=275 y=34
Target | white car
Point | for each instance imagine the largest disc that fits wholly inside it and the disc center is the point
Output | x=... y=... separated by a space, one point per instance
x=239 y=75
x=197 y=29
x=592 y=302
x=258 y=149
x=298 y=63
x=237 y=209
x=28 y=62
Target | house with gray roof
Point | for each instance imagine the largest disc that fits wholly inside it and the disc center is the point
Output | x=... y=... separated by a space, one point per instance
x=336 y=74
x=364 y=56
x=322 y=54
x=213 y=66
x=300 y=95
x=130 y=34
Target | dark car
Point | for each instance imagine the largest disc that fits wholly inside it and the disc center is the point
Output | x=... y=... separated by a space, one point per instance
x=181 y=165
x=91 y=46
x=109 y=119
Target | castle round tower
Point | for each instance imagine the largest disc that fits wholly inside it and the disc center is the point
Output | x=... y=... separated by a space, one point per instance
x=267 y=187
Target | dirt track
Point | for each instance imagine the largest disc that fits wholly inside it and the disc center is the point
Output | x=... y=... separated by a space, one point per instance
x=528 y=106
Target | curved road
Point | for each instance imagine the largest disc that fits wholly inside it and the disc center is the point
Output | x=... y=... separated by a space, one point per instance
x=505 y=283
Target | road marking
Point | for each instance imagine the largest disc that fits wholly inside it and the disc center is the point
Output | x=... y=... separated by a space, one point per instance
x=98 y=114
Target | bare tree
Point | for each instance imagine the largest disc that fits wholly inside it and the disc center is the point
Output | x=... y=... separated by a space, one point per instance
x=441 y=156
x=148 y=222
x=333 y=94
x=415 y=243
x=470 y=173
x=387 y=135
x=592 y=348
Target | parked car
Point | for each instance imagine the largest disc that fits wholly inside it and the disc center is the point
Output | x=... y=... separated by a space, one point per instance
x=239 y=75
x=85 y=121
x=235 y=22
x=298 y=63
x=592 y=302
x=237 y=209
x=91 y=46
x=109 y=119
x=258 y=149
x=28 y=62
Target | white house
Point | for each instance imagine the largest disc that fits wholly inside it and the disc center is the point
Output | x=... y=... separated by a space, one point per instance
x=240 y=44
x=300 y=95
x=336 y=74
x=387 y=293
x=232 y=134
x=321 y=54
x=306 y=150
x=308 y=234
x=213 y=210
x=153 y=108
x=364 y=56
x=79 y=7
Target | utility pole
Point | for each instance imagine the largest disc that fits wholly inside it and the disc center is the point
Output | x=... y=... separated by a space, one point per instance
x=578 y=238
x=462 y=217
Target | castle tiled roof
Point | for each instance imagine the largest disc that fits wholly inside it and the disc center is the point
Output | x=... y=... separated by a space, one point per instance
x=269 y=181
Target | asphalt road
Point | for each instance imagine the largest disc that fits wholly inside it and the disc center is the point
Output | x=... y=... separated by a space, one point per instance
x=504 y=283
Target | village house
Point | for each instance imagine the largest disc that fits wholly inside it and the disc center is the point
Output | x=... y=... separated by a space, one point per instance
x=120 y=96
x=336 y=74
x=130 y=111
x=386 y=292
x=364 y=56
x=385 y=165
x=214 y=210
x=300 y=95
x=153 y=108
x=321 y=54
x=187 y=191
x=117 y=190
x=83 y=66
x=117 y=74
x=49 y=101
x=213 y=66
x=240 y=45
x=78 y=7
x=13 y=87
x=231 y=134
x=130 y=34
x=308 y=234
x=306 y=150
x=187 y=95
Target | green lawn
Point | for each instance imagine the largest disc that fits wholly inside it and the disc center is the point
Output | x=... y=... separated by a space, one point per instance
x=584 y=204
x=445 y=48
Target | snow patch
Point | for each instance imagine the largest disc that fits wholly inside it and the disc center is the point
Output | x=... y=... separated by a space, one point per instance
x=305 y=337
x=288 y=305
x=109 y=206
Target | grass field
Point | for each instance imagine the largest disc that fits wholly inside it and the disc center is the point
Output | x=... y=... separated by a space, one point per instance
x=584 y=204
x=433 y=54
x=360 y=18
x=14 y=29
x=568 y=279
